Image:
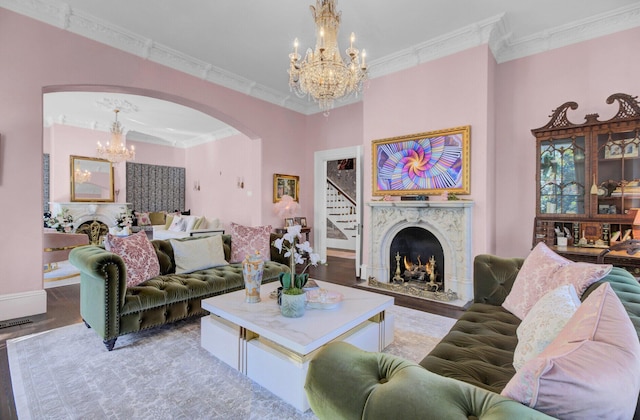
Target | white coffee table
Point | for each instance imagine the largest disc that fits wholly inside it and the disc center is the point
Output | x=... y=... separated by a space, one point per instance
x=275 y=351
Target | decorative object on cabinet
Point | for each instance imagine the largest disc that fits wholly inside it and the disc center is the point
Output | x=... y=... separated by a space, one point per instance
x=98 y=186
x=285 y=185
x=423 y=163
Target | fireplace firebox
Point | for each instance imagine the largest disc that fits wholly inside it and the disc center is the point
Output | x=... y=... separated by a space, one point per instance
x=416 y=256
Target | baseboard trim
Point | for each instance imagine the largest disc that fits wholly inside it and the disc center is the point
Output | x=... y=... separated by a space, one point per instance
x=18 y=305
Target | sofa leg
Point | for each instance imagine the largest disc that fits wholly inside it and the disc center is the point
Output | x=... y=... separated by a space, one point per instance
x=110 y=343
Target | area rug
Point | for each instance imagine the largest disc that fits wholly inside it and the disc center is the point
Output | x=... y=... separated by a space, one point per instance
x=162 y=373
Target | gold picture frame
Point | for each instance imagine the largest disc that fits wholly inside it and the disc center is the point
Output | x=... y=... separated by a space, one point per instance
x=285 y=185
x=91 y=179
x=423 y=164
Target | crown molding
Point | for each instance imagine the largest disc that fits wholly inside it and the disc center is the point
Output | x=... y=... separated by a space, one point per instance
x=603 y=24
x=493 y=31
x=464 y=38
x=137 y=136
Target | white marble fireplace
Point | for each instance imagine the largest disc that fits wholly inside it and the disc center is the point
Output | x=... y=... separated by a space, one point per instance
x=449 y=221
x=83 y=212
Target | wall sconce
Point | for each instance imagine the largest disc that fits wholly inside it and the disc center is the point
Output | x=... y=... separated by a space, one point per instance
x=196 y=185
x=240 y=182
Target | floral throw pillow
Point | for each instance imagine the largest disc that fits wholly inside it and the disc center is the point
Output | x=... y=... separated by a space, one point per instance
x=138 y=254
x=544 y=270
x=247 y=240
x=544 y=322
x=143 y=218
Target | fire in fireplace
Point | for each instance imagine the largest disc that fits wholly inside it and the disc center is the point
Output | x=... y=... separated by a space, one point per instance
x=416 y=257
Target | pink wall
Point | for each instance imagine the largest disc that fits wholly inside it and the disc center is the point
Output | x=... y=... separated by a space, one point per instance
x=40 y=58
x=500 y=102
x=527 y=90
x=218 y=166
x=447 y=93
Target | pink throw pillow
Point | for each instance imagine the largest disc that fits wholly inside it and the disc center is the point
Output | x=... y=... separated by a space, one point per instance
x=143 y=218
x=544 y=270
x=591 y=369
x=138 y=254
x=247 y=240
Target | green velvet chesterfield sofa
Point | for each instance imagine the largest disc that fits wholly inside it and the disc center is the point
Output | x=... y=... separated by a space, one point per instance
x=112 y=309
x=461 y=378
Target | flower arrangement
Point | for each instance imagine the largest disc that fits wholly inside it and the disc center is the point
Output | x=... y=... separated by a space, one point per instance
x=124 y=219
x=298 y=253
x=62 y=222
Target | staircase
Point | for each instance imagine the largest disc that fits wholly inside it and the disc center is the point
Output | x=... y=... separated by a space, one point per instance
x=342 y=221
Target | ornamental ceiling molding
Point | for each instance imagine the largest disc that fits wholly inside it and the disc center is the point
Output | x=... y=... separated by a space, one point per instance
x=493 y=31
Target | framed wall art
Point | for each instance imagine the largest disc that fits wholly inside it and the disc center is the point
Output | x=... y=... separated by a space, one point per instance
x=285 y=185
x=423 y=163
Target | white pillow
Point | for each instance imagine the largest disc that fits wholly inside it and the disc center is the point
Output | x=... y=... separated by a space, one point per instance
x=190 y=221
x=177 y=224
x=198 y=254
x=211 y=223
x=544 y=322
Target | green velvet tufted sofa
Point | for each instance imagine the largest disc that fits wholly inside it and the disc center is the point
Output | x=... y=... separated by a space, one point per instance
x=112 y=309
x=461 y=378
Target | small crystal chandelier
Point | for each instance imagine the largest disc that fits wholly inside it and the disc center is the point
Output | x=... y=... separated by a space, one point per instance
x=80 y=177
x=116 y=150
x=323 y=75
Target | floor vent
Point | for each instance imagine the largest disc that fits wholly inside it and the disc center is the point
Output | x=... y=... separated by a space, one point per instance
x=14 y=323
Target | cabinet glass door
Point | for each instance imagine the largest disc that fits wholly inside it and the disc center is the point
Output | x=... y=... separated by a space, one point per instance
x=618 y=172
x=562 y=176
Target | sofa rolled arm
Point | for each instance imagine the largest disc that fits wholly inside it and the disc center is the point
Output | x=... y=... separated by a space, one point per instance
x=103 y=285
x=348 y=383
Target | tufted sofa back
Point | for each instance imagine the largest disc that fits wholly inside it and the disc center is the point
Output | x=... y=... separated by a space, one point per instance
x=167 y=260
x=497 y=275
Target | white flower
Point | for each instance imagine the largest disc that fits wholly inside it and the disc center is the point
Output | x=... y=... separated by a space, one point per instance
x=297 y=251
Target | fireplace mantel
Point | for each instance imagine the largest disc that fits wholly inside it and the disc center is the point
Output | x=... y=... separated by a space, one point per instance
x=449 y=221
x=89 y=211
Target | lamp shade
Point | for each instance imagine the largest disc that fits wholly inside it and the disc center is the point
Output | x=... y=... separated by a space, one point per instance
x=286 y=207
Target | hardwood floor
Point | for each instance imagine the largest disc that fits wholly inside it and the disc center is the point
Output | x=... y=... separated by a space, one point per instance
x=63 y=308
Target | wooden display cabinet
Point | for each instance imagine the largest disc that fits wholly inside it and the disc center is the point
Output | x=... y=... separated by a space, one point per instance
x=588 y=176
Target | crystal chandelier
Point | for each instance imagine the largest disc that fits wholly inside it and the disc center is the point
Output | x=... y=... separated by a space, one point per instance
x=116 y=150
x=80 y=177
x=323 y=75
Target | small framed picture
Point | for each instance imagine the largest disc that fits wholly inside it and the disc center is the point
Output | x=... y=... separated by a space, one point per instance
x=285 y=185
x=302 y=221
x=630 y=150
x=288 y=222
x=603 y=209
x=612 y=151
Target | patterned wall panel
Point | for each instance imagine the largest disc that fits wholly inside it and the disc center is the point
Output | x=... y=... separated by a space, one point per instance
x=155 y=187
